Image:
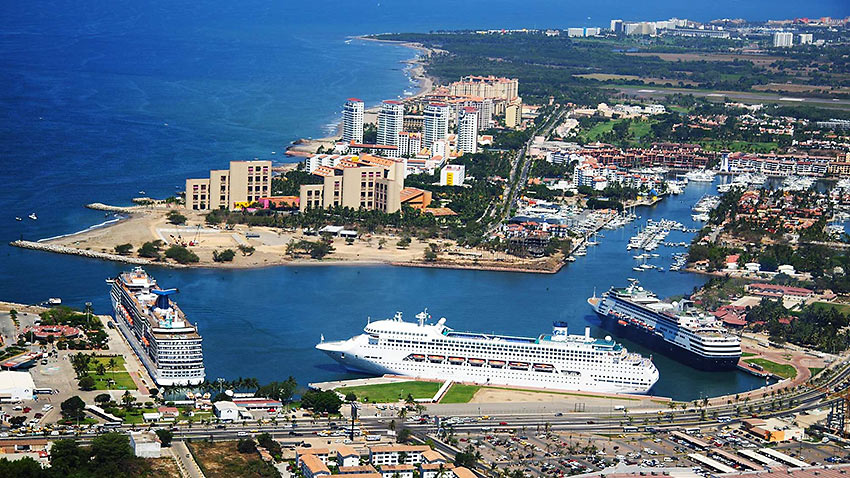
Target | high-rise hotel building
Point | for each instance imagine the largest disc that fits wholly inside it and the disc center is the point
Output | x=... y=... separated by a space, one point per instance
x=436 y=125
x=352 y=121
x=235 y=188
x=390 y=122
x=467 y=130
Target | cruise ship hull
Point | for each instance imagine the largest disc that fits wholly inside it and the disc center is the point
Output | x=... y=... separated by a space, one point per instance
x=655 y=342
x=351 y=355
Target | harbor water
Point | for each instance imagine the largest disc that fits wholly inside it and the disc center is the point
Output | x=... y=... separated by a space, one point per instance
x=102 y=102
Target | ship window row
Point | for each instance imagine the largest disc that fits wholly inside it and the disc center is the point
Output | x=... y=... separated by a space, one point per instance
x=498 y=348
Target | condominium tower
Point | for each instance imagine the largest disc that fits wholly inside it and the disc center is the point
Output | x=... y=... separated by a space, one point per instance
x=390 y=122
x=783 y=39
x=467 y=130
x=436 y=124
x=352 y=121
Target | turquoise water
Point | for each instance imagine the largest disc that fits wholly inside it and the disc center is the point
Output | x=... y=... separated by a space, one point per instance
x=102 y=99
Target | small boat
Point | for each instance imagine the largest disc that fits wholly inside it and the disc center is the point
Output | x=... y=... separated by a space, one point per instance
x=207 y=396
x=623 y=323
x=457 y=359
x=518 y=365
x=570 y=259
x=18 y=219
x=544 y=367
x=436 y=358
x=497 y=363
x=33 y=217
x=637 y=268
x=190 y=395
x=142 y=192
x=476 y=362
x=418 y=357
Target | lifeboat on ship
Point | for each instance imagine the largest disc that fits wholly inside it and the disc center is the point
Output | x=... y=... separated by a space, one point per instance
x=457 y=360
x=436 y=358
x=497 y=363
x=544 y=367
x=518 y=365
x=418 y=357
x=476 y=362
x=623 y=323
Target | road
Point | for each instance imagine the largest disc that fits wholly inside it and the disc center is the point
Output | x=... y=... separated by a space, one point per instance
x=185 y=459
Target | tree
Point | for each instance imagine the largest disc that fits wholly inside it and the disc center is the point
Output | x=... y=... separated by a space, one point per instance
x=403 y=243
x=181 y=254
x=112 y=363
x=149 y=250
x=403 y=435
x=87 y=383
x=246 y=445
x=72 y=408
x=266 y=441
x=246 y=250
x=350 y=397
x=65 y=457
x=175 y=217
x=127 y=399
x=326 y=401
x=110 y=451
x=100 y=368
x=165 y=436
x=123 y=249
x=226 y=255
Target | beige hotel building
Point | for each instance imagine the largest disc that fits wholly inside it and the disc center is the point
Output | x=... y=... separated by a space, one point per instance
x=240 y=186
x=364 y=181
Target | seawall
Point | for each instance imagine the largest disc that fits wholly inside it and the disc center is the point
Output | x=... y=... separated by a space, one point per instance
x=40 y=246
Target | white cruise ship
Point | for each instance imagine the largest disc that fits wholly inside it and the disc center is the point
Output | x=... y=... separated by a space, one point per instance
x=701 y=176
x=558 y=361
x=166 y=343
x=674 y=329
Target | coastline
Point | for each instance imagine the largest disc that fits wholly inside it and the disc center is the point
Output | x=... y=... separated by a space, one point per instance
x=414 y=70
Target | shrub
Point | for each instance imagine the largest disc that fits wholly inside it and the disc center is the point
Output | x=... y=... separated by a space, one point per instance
x=226 y=255
x=175 y=217
x=246 y=250
x=181 y=254
x=123 y=249
x=150 y=250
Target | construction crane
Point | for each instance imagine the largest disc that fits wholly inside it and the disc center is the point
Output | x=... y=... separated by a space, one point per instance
x=196 y=239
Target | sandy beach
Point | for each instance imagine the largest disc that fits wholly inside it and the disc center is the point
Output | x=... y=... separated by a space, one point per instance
x=270 y=246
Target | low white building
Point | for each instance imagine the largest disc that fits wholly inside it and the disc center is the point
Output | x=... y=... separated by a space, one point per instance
x=16 y=386
x=453 y=175
x=145 y=444
x=226 y=411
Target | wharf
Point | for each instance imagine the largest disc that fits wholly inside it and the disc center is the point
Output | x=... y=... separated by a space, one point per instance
x=746 y=367
x=41 y=246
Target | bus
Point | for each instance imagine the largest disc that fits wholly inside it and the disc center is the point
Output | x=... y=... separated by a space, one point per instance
x=692 y=431
x=630 y=429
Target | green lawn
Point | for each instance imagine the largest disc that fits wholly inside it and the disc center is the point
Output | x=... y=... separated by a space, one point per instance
x=122 y=378
x=392 y=392
x=747 y=354
x=460 y=393
x=815 y=370
x=133 y=416
x=843 y=308
x=781 y=370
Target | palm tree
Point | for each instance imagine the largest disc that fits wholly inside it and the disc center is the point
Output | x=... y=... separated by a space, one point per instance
x=112 y=364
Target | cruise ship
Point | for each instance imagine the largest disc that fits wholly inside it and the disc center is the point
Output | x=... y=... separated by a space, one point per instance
x=166 y=343
x=434 y=351
x=674 y=329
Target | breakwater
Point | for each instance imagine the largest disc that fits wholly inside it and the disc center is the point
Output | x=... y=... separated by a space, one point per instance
x=40 y=246
x=120 y=209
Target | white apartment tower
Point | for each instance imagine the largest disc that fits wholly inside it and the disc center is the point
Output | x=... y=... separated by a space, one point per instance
x=390 y=122
x=783 y=39
x=436 y=124
x=467 y=130
x=352 y=121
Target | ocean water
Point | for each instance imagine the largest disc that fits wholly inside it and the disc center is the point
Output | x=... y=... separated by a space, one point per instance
x=102 y=99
